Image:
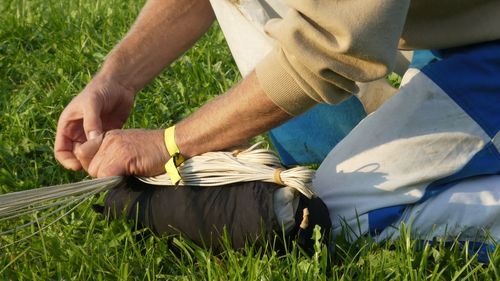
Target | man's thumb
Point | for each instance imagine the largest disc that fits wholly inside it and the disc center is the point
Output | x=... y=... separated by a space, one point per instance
x=85 y=152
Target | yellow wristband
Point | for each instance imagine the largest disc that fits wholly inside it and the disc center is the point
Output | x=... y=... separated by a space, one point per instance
x=176 y=159
x=170 y=141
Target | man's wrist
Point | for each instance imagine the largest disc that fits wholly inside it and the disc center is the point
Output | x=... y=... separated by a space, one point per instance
x=113 y=81
x=159 y=142
x=115 y=71
x=183 y=141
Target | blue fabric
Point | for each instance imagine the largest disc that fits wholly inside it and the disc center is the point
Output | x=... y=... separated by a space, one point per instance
x=482 y=250
x=308 y=138
x=383 y=217
x=471 y=77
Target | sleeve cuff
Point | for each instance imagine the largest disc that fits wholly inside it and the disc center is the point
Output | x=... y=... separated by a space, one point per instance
x=280 y=87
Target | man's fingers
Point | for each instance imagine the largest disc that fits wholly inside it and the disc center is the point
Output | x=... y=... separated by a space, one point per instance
x=86 y=152
x=68 y=160
x=63 y=152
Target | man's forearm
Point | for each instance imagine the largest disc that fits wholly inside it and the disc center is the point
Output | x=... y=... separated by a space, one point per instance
x=161 y=33
x=229 y=120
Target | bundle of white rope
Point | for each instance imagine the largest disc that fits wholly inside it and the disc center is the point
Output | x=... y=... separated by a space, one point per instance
x=253 y=164
x=61 y=200
x=23 y=202
x=209 y=169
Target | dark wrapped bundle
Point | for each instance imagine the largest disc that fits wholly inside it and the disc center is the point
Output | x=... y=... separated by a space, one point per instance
x=202 y=214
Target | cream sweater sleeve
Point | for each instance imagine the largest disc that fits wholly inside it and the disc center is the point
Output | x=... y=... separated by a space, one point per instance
x=325 y=46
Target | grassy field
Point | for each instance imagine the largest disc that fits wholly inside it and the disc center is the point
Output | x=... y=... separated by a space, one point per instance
x=48 y=51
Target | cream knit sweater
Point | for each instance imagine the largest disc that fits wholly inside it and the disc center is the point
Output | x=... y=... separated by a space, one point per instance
x=324 y=46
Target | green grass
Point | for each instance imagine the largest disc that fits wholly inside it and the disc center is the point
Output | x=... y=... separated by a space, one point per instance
x=49 y=50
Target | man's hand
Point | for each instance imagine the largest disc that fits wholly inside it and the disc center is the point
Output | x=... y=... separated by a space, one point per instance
x=124 y=152
x=103 y=105
x=163 y=31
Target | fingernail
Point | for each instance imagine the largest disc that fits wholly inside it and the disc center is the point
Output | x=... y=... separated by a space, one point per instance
x=93 y=135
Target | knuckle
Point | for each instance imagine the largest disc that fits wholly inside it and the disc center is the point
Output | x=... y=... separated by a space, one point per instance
x=111 y=135
x=131 y=165
x=113 y=138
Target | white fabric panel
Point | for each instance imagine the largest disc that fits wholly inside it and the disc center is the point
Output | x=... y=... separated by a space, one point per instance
x=415 y=138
